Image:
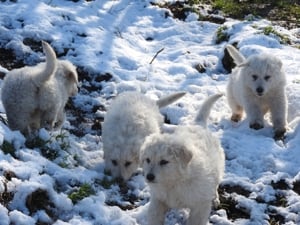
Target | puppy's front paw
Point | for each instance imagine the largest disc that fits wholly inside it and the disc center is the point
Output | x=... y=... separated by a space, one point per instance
x=279 y=134
x=256 y=126
x=236 y=117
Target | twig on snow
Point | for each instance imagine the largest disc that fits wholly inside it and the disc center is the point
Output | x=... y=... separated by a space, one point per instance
x=154 y=57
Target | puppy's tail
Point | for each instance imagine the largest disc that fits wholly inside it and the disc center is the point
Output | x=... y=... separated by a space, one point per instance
x=50 y=65
x=235 y=54
x=167 y=100
x=206 y=108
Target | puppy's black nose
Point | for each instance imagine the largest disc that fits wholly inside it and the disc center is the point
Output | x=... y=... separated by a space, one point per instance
x=150 y=177
x=259 y=90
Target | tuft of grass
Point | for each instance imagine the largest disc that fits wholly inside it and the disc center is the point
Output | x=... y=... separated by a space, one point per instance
x=8 y=148
x=62 y=139
x=269 y=30
x=45 y=147
x=106 y=183
x=36 y=142
x=222 y=34
x=84 y=191
x=50 y=148
x=64 y=165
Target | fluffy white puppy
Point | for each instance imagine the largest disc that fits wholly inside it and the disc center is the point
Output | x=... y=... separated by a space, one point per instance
x=35 y=97
x=183 y=169
x=257 y=85
x=131 y=117
x=55 y=93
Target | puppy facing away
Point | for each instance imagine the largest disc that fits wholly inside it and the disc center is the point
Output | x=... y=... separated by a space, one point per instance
x=55 y=93
x=257 y=85
x=35 y=97
x=183 y=169
x=131 y=117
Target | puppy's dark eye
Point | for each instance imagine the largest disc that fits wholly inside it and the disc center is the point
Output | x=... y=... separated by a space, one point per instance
x=114 y=162
x=267 y=78
x=254 y=77
x=163 y=162
x=127 y=164
x=148 y=160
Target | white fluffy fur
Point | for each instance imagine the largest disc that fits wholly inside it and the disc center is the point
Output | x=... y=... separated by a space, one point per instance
x=130 y=118
x=257 y=85
x=183 y=170
x=35 y=97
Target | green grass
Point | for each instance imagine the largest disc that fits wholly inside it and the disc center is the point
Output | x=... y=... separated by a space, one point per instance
x=221 y=34
x=285 y=9
x=269 y=30
x=231 y=8
x=282 y=11
x=50 y=148
x=8 y=148
x=106 y=183
x=84 y=191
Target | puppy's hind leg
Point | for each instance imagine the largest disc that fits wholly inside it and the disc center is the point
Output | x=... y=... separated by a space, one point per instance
x=61 y=117
x=35 y=120
x=19 y=122
x=156 y=212
x=48 y=118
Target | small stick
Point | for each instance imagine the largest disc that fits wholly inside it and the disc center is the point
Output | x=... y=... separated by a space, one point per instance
x=156 y=55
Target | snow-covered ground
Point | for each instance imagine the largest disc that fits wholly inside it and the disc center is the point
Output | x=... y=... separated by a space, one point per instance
x=121 y=38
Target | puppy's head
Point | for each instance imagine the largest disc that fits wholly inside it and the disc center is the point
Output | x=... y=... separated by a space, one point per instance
x=164 y=159
x=262 y=73
x=121 y=164
x=67 y=72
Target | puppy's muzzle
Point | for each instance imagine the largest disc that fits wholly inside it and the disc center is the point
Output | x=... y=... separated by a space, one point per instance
x=259 y=91
x=150 y=177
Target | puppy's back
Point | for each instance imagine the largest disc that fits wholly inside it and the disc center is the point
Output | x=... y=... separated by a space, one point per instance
x=130 y=107
x=130 y=116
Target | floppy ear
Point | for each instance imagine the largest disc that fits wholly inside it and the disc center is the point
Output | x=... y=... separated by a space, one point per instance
x=183 y=155
x=70 y=75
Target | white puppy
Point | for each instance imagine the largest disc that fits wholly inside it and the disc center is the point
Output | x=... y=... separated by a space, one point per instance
x=131 y=117
x=183 y=170
x=35 y=97
x=257 y=86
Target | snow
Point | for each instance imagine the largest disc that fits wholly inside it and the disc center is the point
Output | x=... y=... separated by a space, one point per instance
x=121 y=38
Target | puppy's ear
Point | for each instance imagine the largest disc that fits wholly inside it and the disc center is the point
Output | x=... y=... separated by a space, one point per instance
x=71 y=76
x=183 y=154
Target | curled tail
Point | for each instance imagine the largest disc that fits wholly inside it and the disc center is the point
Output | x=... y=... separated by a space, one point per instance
x=50 y=66
x=206 y=108
x=167 y=100
x=235 y=54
